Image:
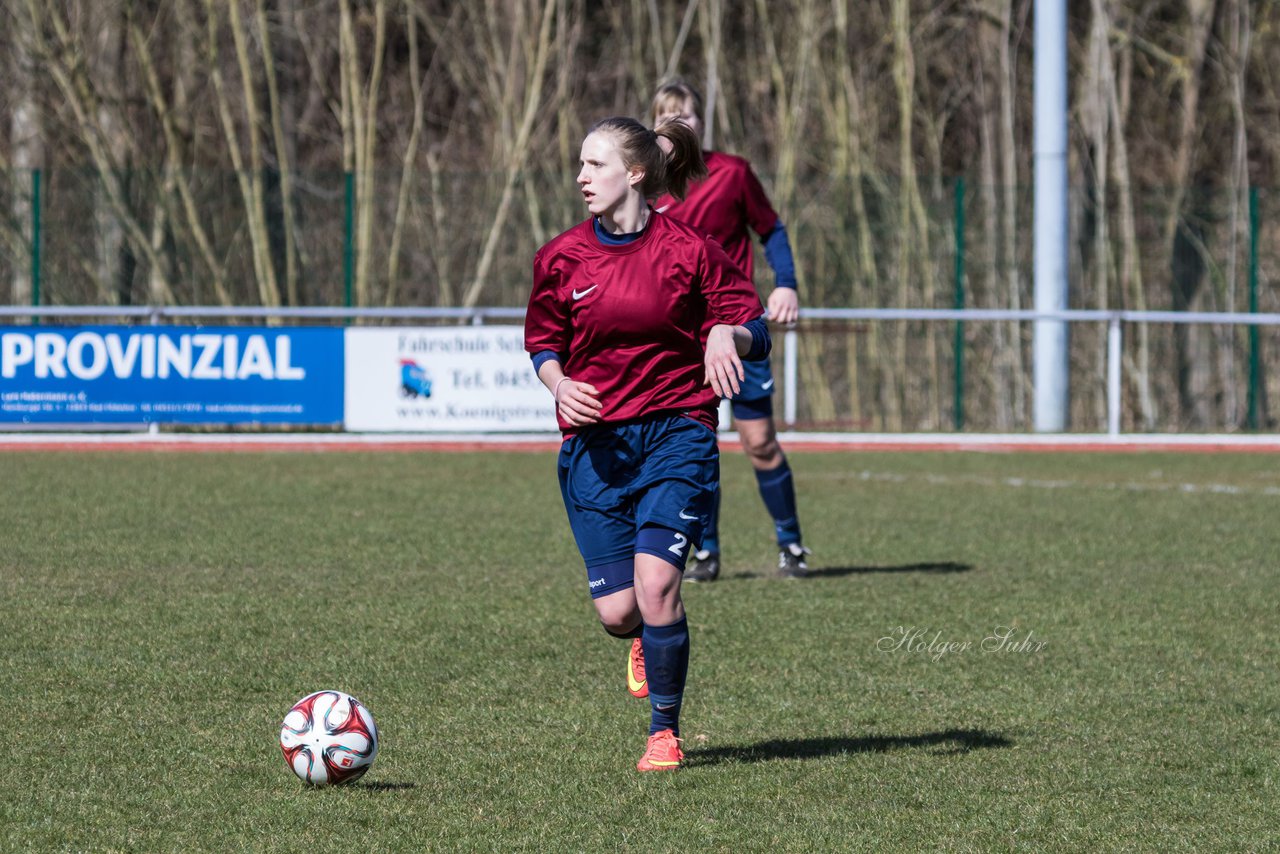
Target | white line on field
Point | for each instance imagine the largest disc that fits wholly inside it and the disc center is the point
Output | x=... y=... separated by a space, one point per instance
x=1035 y=483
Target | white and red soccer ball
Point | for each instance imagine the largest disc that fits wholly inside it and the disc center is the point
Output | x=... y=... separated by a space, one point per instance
x=328 y=738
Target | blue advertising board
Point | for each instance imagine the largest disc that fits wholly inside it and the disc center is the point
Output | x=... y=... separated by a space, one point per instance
x=170 y=374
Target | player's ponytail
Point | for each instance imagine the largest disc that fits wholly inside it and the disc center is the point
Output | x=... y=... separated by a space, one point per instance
x=667 y=168
x=684 y=160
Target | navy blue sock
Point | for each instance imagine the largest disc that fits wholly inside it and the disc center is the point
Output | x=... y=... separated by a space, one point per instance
x=711 y=535
x=779 y=494
x=666 y=664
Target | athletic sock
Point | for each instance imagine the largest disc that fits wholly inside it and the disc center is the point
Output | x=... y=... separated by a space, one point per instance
x=779 y=493
x=711 y=536
x=666 y=664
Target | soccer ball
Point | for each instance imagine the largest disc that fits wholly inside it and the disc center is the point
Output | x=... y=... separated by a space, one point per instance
x=329 y=738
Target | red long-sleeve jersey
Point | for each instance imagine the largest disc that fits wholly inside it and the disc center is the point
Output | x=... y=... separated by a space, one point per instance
x=632 y=320
x=724 y=204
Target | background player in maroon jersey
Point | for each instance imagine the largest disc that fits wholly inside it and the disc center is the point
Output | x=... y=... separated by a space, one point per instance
x=637 y=324
x=727 y=205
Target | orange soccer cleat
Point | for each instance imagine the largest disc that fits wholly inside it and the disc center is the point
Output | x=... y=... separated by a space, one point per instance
x=636 y=683
x=662 y=753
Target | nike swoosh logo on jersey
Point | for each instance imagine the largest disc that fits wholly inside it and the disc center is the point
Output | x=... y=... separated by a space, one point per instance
x=577 y=295
x=683 y=516
x=662 y=209
x=767 y=385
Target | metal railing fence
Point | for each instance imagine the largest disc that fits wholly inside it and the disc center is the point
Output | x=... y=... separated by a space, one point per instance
x=1114 y=321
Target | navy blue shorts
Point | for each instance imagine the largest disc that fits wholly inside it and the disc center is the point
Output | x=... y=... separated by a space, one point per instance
x=756 y=399
x=616 y=479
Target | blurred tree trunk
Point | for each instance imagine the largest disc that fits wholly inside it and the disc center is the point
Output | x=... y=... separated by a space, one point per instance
x=253 y=177
x=104 y=30
x=564 y=63
x=631 y=17
x=440 y=228
x=665 y=40
x=914 y=243
x=1130 y=277
x=1093 y=108
x=410 y=157
x=990 y=89
x=248 y=175
x=61 y=58
x=360 y=131
x=1239 y=35
x=565 y=66
x=26 y=142
x=175 y=176
x=791 y=98
x=850 y=167
x=1190 y=341
x=711 y=23
x=462 y=76
x=525 y=60
x=282 y=109
x=676 y=51
x=1013 y=373
x=568 y=123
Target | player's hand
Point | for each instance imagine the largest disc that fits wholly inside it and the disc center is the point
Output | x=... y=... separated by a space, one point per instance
x=724 y=367
x=577 y=402
x=784 y=306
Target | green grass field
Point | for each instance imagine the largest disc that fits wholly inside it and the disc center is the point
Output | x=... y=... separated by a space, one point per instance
x=162 y=612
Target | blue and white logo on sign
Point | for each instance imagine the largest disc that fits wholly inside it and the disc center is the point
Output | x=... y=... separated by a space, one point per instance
x=414 y=379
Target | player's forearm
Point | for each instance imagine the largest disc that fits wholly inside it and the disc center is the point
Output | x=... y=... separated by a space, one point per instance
x=547 y=366
x=751 y=341
x=552 y=376
x=550 y=373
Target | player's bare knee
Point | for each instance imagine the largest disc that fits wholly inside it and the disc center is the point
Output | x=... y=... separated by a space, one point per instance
x=759 y=440
x=765 y=454
x=660 y=603
x=617 y=618
x=619 y=630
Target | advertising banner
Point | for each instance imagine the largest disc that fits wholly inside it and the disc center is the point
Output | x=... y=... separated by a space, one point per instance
x=170 y=374
x=444 y=379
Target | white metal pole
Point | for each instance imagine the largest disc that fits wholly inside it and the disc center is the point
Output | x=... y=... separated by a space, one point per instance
x=1114 y=352
x=1050 y=347
x=789 y=379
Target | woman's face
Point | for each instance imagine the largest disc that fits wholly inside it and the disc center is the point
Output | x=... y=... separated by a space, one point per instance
x=685 y=116
x=604 y=180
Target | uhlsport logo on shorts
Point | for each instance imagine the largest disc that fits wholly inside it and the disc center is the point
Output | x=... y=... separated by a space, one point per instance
x=415 y=381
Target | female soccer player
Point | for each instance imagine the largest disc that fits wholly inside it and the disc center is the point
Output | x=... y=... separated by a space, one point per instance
x=637 y=325
x=725 y=205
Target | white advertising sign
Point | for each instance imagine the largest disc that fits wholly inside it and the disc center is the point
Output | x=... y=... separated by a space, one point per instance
x=454 y=379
